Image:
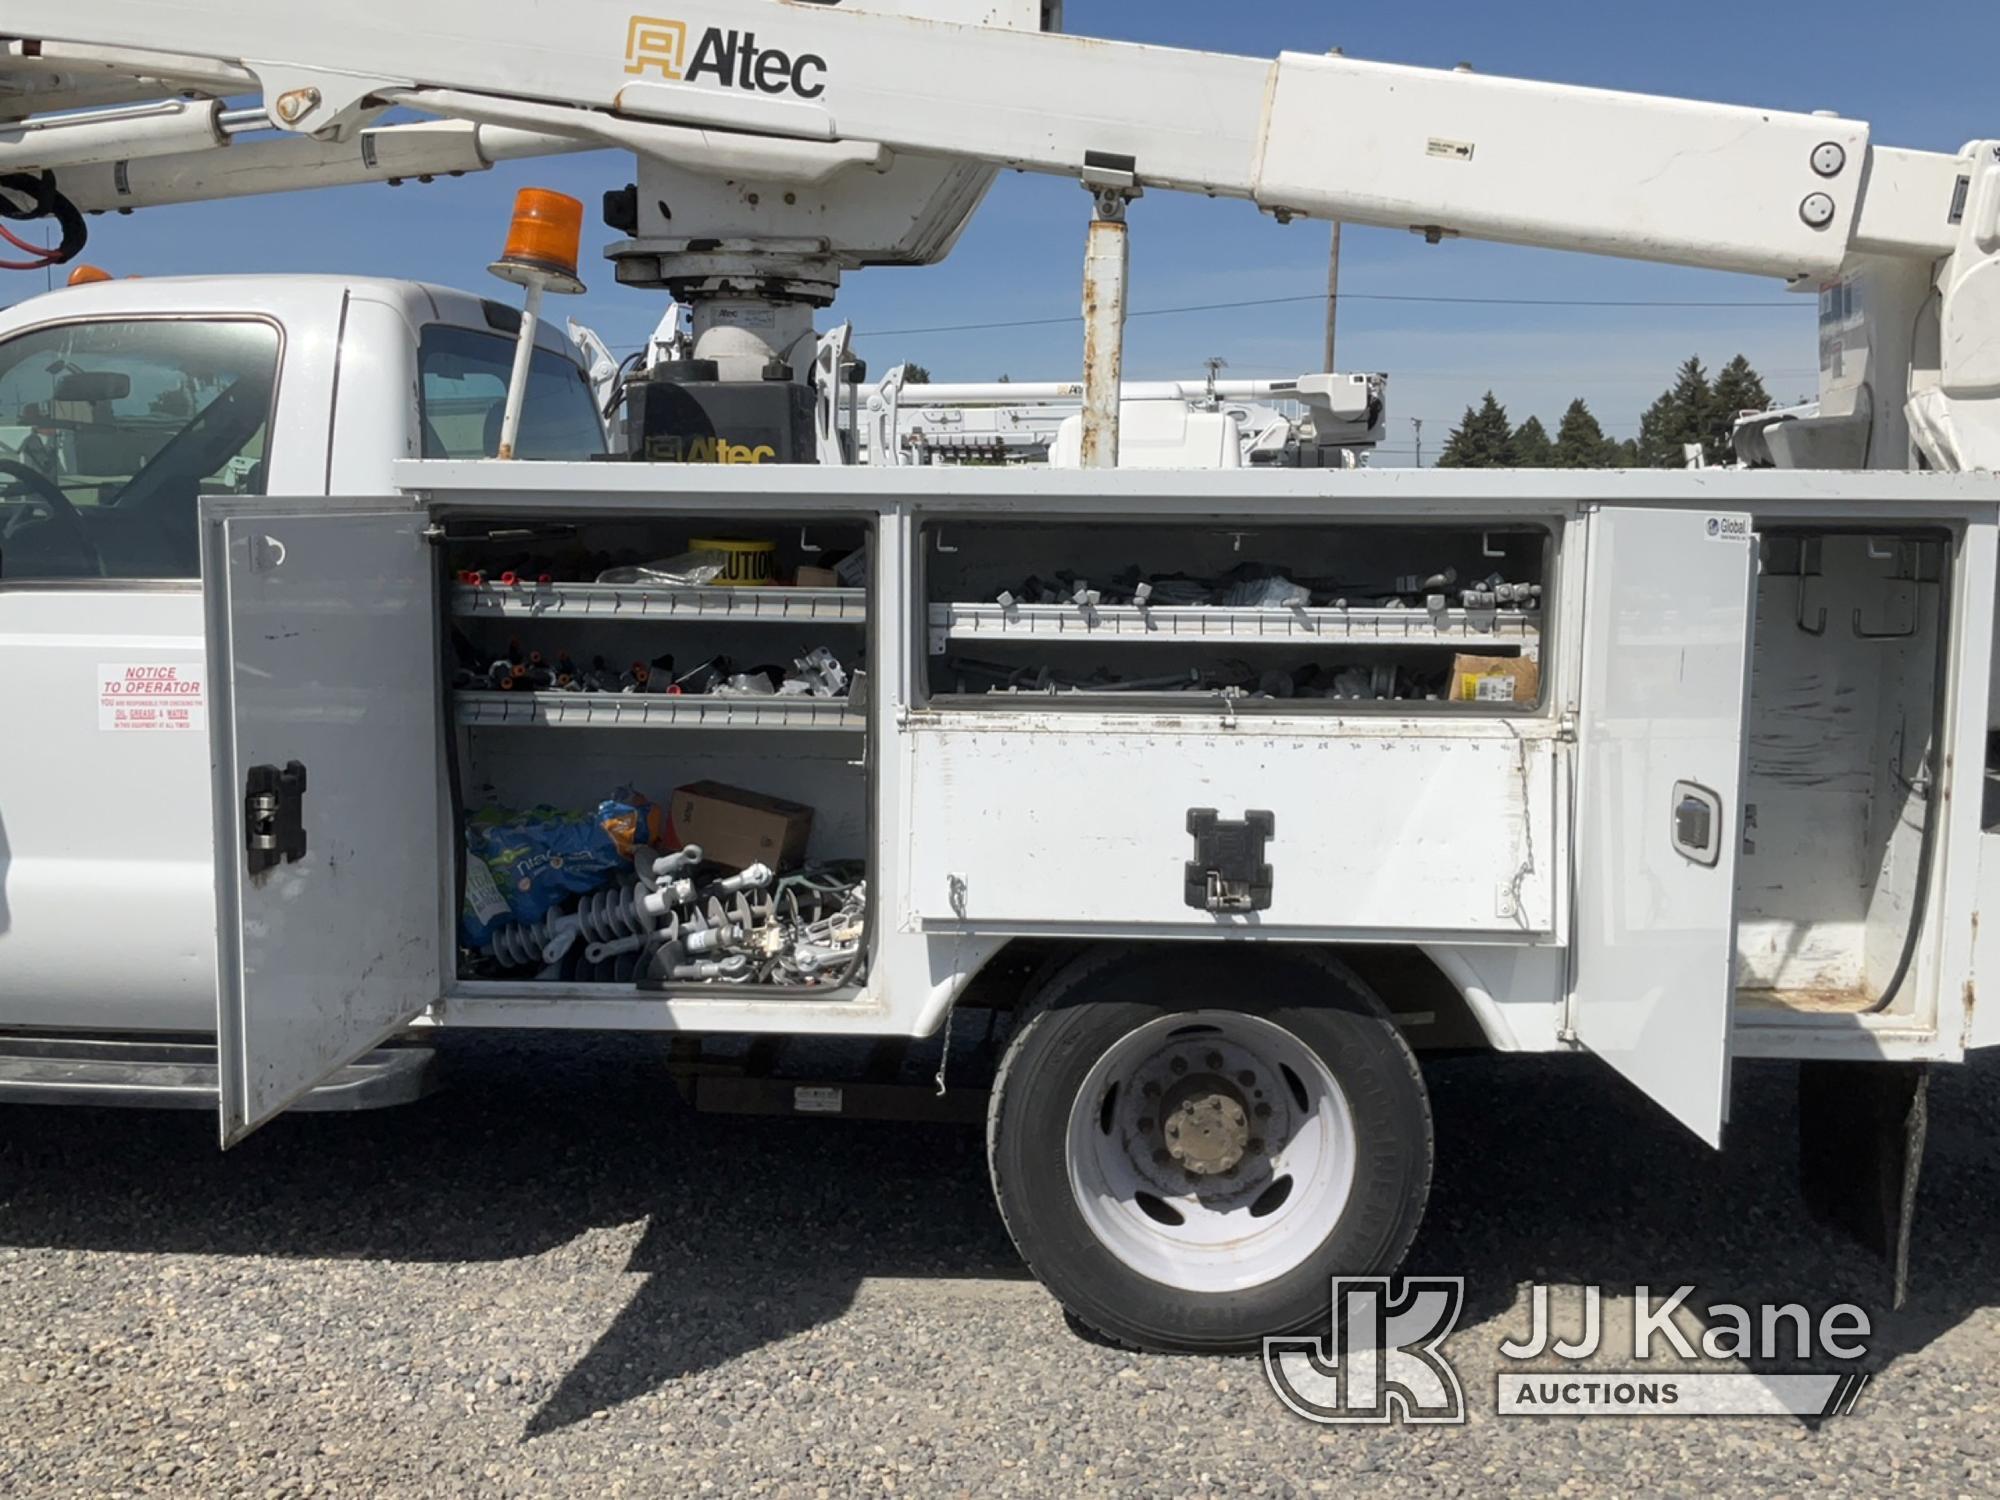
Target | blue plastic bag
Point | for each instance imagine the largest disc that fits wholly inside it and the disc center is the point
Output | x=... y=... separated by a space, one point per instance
x=521 y=865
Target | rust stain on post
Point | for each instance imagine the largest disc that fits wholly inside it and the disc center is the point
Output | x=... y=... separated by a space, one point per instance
x=1104 y=267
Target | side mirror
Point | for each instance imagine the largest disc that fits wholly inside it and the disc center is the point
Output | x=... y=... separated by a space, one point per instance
x=93 y=386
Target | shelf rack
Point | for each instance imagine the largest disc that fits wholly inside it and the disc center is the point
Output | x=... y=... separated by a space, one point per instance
x=1254 y=626
x=657 y=711
x=625 y=601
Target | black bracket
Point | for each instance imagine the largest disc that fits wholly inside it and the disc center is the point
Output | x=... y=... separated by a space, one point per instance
x=274 y=830
x=1862 y=1127
x=1228 y=873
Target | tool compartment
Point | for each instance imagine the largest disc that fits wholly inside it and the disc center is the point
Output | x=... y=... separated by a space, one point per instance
x=621 y=691
x=1355 y=617
x=1840 y=813
x=1364 y=701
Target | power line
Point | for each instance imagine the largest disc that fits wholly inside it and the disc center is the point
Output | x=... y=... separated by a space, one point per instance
x=1793 y=304
x=1197 y=307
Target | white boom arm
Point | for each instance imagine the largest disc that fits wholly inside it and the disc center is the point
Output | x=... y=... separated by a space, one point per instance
x=1368 y=143
x=1803 y=197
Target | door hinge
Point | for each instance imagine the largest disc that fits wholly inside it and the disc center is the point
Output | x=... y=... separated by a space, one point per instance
x=274 y=829
x=1566 y=727
x=432 y=533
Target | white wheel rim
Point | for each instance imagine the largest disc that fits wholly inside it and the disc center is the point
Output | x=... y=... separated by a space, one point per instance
x=1238 y=1226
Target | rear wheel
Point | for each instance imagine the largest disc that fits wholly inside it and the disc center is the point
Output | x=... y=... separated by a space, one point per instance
x=1186 y=1145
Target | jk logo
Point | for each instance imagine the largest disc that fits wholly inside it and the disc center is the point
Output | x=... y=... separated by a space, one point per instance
x=1381 y=1361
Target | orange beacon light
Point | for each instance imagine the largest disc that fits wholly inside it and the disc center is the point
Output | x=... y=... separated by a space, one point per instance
x=543 y=243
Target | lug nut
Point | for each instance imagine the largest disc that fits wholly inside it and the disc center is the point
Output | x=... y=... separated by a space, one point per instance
x=1262 y=1111
x=1177 y=1066
x=1246 y=1078
x=1214 y=1059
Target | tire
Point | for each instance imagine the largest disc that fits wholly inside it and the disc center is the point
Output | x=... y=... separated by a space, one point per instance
x=1110 y=1094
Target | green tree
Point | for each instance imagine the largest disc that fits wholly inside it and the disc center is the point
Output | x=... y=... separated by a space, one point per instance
x=916 y=374
x=1580 y=441
x=1532 y=447
x=1738 y=389
x=1483 y=439
x=1684 y=414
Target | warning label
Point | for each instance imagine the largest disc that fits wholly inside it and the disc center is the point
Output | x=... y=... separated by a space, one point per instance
x=151 y=695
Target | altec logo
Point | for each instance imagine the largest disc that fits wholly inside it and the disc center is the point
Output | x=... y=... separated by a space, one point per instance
x=732 y=58
x=707 y=450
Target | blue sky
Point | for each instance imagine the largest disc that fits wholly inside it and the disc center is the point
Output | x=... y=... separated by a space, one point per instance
x=1922 y=74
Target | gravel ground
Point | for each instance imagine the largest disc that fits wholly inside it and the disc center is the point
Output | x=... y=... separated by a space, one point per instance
x=553 y=1279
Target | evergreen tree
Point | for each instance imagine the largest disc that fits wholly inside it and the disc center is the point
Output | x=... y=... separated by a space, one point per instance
x=1738 y=389
x=1532 y=447
x=1483 y=439
x=916 y=374
x=1581 y=443
x=1684 y=414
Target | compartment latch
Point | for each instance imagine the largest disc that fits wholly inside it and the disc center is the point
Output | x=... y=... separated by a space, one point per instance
x=1228 y=874
x=274 y=830
x=1697 y=831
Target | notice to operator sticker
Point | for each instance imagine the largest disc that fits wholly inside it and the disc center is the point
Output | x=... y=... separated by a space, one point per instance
x=151 y=695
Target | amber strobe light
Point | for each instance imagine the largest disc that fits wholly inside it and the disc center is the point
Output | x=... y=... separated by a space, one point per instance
x=85 y=275
x=543 y=243
x=544 y=239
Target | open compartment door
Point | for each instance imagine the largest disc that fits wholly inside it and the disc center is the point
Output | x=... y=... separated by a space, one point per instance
x=1666 y=667
x=324 y=715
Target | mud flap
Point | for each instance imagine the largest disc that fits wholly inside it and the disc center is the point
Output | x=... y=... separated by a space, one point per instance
x=1861 y=1145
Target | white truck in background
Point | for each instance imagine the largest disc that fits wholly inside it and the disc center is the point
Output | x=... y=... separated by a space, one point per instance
x=1234 y=786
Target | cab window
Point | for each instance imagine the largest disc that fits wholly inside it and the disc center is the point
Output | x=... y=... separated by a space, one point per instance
x=111 y=432
x=465 y=374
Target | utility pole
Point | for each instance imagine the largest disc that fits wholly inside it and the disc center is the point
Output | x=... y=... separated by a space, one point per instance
x=1418 y=423
x=1332 y=279
x=1332 y=296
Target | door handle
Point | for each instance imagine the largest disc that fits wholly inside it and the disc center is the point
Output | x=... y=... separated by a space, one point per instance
x=1697 y=823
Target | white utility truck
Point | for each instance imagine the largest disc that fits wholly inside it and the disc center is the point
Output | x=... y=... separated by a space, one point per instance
x=355 y=695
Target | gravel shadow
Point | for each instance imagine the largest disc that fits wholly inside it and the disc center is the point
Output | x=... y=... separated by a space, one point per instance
x=758 y=1229
x=1557 y=1172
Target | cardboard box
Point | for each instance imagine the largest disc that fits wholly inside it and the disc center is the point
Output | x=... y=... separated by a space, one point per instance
x=816 y=578
x=1495 y=679
x=737 y=829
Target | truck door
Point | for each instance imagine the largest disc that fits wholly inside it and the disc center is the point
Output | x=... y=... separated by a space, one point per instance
x=1666 y=646
x=322 y=664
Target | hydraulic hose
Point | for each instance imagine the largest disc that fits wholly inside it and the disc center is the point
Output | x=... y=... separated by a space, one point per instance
x=1933 y=769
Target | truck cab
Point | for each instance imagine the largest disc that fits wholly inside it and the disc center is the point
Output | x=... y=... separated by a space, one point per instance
x=123 y=404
